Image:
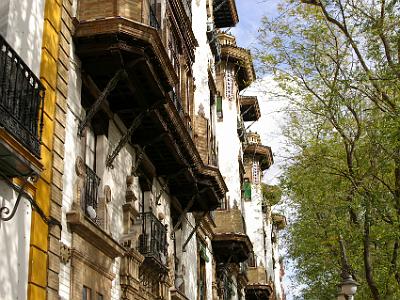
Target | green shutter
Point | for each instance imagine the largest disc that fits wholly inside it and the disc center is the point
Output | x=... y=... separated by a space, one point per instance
x=219 y=106
x=247 y=191
x=203 y=253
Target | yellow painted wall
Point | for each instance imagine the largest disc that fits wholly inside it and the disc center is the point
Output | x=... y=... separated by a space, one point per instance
x=38 y=257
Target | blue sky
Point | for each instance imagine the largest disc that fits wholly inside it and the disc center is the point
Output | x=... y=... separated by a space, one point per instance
x=272 y=109
x=250 y=14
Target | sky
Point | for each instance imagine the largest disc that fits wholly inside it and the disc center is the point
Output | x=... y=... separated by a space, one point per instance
x=269 y=126
x=246 y=32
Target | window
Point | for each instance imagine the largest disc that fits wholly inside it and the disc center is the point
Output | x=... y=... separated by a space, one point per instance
x=229 y=79
x=255 y=173
x=219 y=107
x=99 y=296
x=89 y=201
x=86 y=293
x=246 y=190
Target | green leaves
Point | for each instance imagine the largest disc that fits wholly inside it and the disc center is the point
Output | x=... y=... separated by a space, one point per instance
x=338 y=63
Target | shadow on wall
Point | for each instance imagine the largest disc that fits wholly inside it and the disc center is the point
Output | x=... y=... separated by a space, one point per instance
x=14 y=252
x=24 y=29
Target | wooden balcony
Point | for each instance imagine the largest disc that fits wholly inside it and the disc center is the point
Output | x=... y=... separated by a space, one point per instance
x=21 y=110
x=230 y=241
x=225 y=13
x=263 y=153
x=240 y=57
x=120 y=46
x=249 y=108
x=257 y=286
x=279 y=221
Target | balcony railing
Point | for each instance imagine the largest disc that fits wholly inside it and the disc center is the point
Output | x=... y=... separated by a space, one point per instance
x=153 y=240
x=21 y=99
x=226 y=287
x=89 y=200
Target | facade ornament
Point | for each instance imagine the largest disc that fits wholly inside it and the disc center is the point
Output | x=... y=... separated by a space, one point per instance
x=107 y=193
x=65 y=253
x=130 y=189
x=80 y=166
x=161 y=216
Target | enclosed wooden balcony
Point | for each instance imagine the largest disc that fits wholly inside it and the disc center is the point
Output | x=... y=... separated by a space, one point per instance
x=260 y=152
x=125 y=62
x=21 y=110
x=258 y=286
x=225 y=13
x=279 y=221
x=249 y=108
x=230 y=242
x=240 y=57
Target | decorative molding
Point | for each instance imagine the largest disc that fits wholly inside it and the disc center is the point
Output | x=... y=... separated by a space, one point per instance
x=107 y=193
x=65 y=253
x=79 y=166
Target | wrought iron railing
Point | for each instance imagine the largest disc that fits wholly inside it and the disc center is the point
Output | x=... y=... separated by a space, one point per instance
x=89 y=200
x=153 y=240
x=225 y=285
x=21 y=99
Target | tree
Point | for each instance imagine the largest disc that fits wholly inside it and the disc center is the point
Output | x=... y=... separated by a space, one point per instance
x=339 y=65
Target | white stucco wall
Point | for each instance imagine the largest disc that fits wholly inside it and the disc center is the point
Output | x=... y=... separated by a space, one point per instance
x=204 y=58
x=21 y=23
x=189 y=258
x=255 y=223
x=14 y=246
x=228 y=150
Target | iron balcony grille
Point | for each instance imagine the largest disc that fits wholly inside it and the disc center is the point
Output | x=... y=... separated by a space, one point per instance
x=21 y=99
x=153 y=240
x=89 y=201
x=225 y=285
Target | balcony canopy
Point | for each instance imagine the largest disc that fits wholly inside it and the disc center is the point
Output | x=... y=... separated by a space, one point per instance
x=225 y=13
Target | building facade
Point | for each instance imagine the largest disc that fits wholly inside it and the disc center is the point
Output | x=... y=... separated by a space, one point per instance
x=125 y=162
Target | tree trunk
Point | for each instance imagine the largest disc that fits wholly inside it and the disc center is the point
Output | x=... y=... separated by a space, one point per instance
x=366 y=253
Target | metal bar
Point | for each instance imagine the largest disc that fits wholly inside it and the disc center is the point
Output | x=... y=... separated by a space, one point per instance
x=182 y=216
x=6 y=211
x=135 y=124
x=193 y=231
x=220 y=5
x=164 y=187
x=95 y=107
x=185 y=211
